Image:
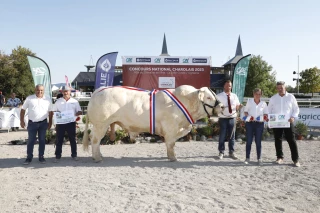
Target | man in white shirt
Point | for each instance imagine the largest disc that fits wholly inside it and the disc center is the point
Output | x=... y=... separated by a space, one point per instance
x=227 y=119
x=64 y=104
x=285 y=103
x=39 y=108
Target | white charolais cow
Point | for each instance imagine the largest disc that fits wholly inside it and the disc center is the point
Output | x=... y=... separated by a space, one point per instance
x=158 y=112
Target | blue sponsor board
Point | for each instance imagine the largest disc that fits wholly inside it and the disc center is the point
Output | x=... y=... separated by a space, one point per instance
x=171 y=60
x=143 y=60
x=199 y=60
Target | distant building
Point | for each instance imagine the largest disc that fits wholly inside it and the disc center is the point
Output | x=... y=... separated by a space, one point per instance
x=85 y=81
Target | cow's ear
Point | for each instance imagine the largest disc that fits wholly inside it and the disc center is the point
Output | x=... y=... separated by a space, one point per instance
x=201 y=94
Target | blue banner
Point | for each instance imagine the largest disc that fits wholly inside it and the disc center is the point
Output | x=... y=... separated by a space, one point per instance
x=105 y=70
x=41 y=74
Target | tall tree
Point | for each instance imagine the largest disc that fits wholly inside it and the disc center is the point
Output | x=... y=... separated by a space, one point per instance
x=310 y=80
x=7 y=74
x=15 y=72
x=260 y=75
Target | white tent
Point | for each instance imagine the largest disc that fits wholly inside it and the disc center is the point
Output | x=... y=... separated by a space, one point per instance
x=54 y=88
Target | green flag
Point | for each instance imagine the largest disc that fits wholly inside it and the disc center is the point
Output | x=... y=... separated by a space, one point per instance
x=41 y=74
x=240 y=76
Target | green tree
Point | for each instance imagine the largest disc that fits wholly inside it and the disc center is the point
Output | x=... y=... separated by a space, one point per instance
x=25 y=86
x=15 y=75
x=260 y=75
x=291 y=89
x=310 y=80
x=7 y=74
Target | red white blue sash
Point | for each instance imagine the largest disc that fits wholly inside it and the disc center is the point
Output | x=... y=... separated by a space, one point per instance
x=152 y=110
x=180 y=105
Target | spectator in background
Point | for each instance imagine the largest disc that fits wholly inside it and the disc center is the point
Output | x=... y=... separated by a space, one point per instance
x=2 y=100
x=13 y=102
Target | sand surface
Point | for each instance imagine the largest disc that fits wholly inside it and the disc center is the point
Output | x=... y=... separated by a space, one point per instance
x=139 y=178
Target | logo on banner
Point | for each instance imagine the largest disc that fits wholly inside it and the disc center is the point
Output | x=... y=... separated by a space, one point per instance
x=199 y=60
x=129 y=60
x=157 y=60
x=171 y=60
x=143 y=59
x=241 y=71
x=167 y=82
x=106 y=65
x=185 y=60
x=39 y=71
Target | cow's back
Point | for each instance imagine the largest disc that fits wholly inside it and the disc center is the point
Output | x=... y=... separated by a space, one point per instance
x=118 y=104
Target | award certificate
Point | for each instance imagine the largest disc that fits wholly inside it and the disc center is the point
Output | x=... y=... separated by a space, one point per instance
x=64 y=117
x=278 y=121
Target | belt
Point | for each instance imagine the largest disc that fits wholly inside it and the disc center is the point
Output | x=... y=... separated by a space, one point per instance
x=38 y=121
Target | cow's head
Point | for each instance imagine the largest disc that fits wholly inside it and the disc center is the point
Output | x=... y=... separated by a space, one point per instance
x=209 y=100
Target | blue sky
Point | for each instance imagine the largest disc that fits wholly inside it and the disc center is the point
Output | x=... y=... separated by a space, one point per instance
x=66 y=33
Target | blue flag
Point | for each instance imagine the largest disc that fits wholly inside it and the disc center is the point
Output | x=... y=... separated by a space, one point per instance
x=105 y=70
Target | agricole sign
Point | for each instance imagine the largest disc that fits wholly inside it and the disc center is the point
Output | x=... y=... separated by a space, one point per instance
x=161 y=72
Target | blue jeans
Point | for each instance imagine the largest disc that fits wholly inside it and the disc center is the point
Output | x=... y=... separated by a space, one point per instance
x=227 y=125
x=254 y=129
x=34 y=128
x=70 y=128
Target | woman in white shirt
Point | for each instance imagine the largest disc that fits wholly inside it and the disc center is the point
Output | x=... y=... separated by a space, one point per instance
x=255 y=114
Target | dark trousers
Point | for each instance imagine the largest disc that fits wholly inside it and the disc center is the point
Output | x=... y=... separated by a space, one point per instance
x=226 y=125
x=289 y=134
x=70 y=128
x=35 y=128
x=254 y=129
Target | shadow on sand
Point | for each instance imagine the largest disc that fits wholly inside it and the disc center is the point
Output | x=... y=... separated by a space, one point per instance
x=147 y=162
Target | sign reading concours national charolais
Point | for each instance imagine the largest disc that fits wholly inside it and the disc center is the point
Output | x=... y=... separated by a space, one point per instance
x=165 y=72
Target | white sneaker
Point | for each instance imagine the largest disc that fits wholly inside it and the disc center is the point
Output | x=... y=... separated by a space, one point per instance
x=279 y=161
x=220 y=156
x=260 y=162
x=233 y=156
x=297 y=164
x=247 y=161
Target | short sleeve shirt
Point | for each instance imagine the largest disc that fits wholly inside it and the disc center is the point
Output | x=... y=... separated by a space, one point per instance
x=38 y=108
x=62 y=105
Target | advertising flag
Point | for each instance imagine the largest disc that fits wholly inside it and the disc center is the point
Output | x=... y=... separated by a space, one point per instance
x=41 y=74
x=240 y=76
x=105 y=70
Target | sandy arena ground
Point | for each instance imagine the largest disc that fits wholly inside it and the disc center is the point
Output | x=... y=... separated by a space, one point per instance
x=138 y=178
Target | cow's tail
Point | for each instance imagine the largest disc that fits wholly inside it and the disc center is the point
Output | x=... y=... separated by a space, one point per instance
x=85 y=140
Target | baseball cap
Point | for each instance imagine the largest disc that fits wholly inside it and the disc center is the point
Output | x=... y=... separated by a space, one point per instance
x=65 y=88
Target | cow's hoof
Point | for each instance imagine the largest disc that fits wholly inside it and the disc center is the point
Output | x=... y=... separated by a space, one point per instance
x=172 y=159
x=97 y=160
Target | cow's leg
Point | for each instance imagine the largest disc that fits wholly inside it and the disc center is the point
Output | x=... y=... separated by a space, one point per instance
x=98 y=134
x=112 y=133
x=170 y=149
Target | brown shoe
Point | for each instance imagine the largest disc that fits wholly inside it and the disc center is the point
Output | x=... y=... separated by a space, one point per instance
x=279 y=161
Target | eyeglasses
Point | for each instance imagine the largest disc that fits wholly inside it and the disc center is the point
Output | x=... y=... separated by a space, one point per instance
x=281 y=83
